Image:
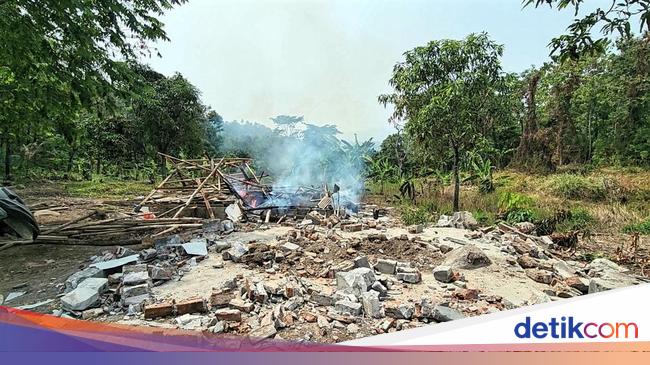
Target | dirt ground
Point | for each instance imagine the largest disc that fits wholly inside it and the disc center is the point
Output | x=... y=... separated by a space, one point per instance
x=41 y=270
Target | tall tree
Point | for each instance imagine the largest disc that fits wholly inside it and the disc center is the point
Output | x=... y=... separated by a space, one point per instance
x=56 y=55
x=444 y=92
x=615 y=19
x=170 y=114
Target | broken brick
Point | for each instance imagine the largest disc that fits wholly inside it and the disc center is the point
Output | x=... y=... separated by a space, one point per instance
x=195 y=305
x=158 y=310
x=221 y=298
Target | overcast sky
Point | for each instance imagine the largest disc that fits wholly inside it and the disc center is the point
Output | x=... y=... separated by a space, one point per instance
x=329 y=60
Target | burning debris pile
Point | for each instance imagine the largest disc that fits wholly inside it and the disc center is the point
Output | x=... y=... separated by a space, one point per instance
x=330 y=279
x=229 y=187
x=194 y=191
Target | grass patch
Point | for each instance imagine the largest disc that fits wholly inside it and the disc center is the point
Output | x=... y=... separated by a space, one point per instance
x=640 y=228
x=579 y=187
x=107 y=188
x=578 y=219
x=418 y=214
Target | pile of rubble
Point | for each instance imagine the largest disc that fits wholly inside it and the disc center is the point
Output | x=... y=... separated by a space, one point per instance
x=330 y=279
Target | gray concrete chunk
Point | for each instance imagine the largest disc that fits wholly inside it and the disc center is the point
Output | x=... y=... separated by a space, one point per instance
x=385 y=266
x=348 y=307
x=74 y=279
x=355 y=281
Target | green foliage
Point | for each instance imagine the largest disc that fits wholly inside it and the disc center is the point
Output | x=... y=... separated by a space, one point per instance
x=640 y=228
x=579 y=187
x=418 y=214
x=617 y=19
x=447 y=90
x=107 y=188
x=516 y=207
x=481 y=173
x=578 y=219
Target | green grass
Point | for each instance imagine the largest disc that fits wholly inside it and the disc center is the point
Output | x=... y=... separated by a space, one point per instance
x=579 y=187
x=419 y=214
x=641 y=227
x=579 y=220
x=107 y=188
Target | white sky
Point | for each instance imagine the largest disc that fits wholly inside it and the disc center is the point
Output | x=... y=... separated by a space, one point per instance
x=329 y=60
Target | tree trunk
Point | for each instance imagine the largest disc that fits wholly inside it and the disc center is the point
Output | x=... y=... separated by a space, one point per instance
x=71 y=155
x=456 y=179
x=163 y=167
x=7 y=160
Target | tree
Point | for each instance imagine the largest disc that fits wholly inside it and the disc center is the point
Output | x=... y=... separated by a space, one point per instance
x=615 y=19
x=56 y=56
x=444 y=91
x=170 y=114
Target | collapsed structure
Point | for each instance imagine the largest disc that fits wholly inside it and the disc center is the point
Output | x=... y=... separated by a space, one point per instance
x=229 y=187
x=227 y=254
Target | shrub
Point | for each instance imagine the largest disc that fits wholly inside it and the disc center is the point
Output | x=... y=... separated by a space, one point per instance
x=483 y=217
x=516 y=207
x=579 y=187
x=641 y=227
x=578 y=219
x=415 y=214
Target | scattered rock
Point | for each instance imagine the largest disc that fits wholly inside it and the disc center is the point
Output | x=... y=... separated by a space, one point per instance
x=399 y=310
x=445 y=314
x=443 y=273
x=371 y=305
x=386 y=266
x=356 y=281
x=467 y=257
x=348 y=308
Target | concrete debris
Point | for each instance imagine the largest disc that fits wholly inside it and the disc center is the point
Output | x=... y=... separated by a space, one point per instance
x=362 y=261
x=234 y=212
x=443 y=273
x=116 y=263
x=236 y=252
x=348 y=307
x=196 y=247
x=463 y=220
x=444 y=221
x=356 y=281
x=162 y=271
x=323 y=298
x=399 y=310
x=386 y=266
x=371 y=305
x=86 y=294
x=446 y=314
x=415 y=229
x=325 y=278
x=74 y=279
x=135 y=274
x=467 y=257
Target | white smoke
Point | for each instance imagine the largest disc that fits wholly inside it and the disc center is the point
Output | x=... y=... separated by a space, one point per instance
x=301 y=155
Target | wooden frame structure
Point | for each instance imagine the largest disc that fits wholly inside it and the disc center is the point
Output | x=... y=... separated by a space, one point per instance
x=203 y=181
